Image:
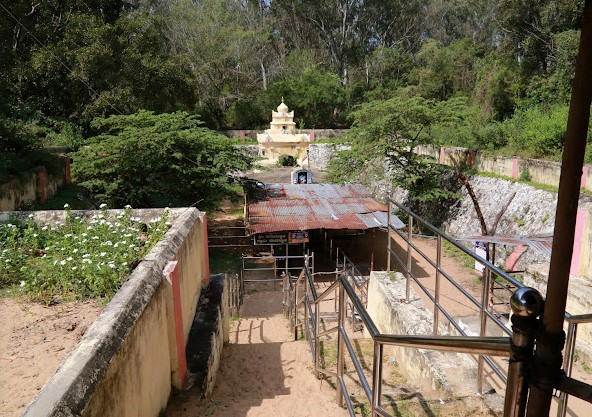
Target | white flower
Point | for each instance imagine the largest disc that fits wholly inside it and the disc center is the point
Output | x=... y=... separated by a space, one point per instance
x=22 y=283
x=86 y=261
x=84 y=235
x=30 y=217
x=63 y=262
x=44 y=228
x=74 y=268
x=69 y=258
x=102 y=206
x=75 y=250
x=127 y=206
x=46 y=248
x=103 y=254
x=66 y=205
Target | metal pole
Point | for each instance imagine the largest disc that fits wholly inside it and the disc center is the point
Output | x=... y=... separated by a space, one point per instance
x=340 y=347
x=437 y=286
x=316 y=341
x=296 y=309
x=548 y=351
x=305 y=295
x=377 y=378
x=388 y=236
x=570 y=345
x=483 y=327
x=409 y=237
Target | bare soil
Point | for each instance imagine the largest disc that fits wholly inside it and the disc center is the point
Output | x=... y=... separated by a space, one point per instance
x=34 y=339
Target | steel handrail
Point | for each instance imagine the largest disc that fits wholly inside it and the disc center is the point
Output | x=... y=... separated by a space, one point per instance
x=485 y=262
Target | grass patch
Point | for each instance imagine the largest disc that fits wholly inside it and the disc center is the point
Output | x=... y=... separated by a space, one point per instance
x=454 y=252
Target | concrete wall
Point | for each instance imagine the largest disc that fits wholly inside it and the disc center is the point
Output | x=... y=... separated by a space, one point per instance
x=126 y=363
x=426 y=369
x=36 y=185
x=579 y=301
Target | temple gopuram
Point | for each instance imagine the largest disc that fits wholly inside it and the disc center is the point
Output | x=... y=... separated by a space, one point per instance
x=282 y=138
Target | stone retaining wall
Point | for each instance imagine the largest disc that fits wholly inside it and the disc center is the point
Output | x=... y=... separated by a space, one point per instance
x=128 y=360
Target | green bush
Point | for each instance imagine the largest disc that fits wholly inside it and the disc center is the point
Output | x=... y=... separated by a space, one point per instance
x=157 y=160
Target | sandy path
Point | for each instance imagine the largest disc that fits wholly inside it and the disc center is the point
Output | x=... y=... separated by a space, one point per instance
x=263 y=371
x=34 y=339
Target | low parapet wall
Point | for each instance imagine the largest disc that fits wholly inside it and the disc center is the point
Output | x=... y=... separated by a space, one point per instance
x=34 y=186
x=132 y=355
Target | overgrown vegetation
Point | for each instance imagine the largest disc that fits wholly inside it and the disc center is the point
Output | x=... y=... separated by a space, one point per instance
x=157 y=160
x=490 y=75
x=78 y=258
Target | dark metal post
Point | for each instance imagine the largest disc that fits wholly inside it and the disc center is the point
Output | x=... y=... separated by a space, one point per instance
x=409 y=237
x=340 y=344
x=527 y=304
x=437 y=285
x=570 y=346
x=377 y=377
x=548 y=350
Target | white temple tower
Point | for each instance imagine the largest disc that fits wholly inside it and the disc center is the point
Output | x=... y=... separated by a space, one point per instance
x=282 y=137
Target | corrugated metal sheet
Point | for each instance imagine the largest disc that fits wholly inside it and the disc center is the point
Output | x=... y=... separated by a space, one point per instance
x=540 y=243
x=316 y=206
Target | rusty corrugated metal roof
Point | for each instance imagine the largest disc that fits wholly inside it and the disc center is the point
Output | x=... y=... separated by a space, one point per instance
x=542 y=243
x=315 y=206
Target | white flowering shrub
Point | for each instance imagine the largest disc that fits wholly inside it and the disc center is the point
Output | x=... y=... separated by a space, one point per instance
x=82 y=258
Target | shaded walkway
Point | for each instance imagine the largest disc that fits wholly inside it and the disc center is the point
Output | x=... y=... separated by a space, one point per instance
x=263 y=372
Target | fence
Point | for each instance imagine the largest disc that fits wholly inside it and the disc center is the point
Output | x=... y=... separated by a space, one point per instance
x=524 y=320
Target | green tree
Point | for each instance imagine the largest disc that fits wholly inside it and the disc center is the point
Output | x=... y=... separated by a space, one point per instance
x=389 y=131
x=154 y=160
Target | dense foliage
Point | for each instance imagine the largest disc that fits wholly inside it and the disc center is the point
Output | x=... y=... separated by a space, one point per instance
x=157 y=160
x=78 y=258
x=508 y=63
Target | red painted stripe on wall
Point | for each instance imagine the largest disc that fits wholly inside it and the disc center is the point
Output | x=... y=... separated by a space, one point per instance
x=172 y=272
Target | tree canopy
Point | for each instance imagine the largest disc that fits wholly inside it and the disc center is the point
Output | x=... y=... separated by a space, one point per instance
x=157 y=160
x=510 y=63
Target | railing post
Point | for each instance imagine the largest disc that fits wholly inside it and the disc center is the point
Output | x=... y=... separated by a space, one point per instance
x=340 y=347
x=316 y=341
x=409 y=237
x=570 y=345
x=296 y=309
x=483 y=327
x=437 y=285
x=305 y=295
x=388 y=236
x=527 y=304
x=377 y=377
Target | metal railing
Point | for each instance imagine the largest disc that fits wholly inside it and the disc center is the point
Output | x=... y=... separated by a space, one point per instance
x=248 y=264
x=503 y=281
x=523 y=338
x=310 y=301
x=485 y=313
